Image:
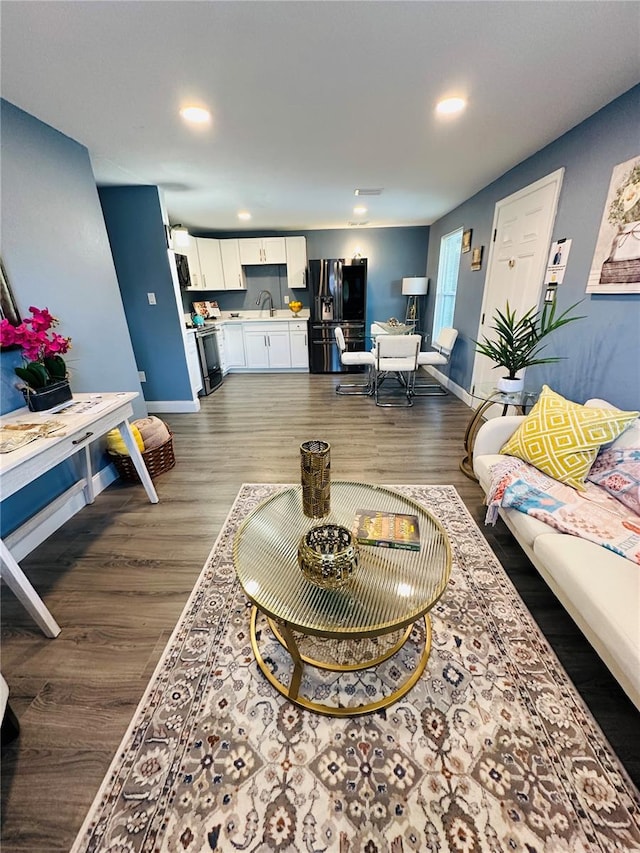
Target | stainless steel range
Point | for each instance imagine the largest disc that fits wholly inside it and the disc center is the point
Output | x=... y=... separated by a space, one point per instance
x=209 y=355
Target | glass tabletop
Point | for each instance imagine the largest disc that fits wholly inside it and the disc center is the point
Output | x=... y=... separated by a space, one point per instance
x=395 y=328
x=390 y=587
x=488 y=391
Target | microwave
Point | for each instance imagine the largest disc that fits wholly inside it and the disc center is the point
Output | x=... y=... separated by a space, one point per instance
x=182 y=266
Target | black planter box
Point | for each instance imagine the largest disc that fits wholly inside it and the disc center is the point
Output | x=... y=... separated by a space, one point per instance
x=47 y=398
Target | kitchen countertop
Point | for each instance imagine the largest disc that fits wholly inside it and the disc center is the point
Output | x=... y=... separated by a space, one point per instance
x=281 y=315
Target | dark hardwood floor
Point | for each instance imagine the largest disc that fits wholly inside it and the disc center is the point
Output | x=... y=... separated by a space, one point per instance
x=117 y=575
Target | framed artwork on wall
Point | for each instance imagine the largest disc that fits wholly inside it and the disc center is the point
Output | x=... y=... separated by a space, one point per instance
x=476 y=258
x=616 y=260
x=8 y=308
x=466 y=240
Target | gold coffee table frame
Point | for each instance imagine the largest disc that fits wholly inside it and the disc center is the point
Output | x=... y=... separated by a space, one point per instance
x=390 y=591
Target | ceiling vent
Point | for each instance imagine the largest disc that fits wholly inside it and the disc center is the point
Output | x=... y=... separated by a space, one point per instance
x=368 y=192
x=356 y=224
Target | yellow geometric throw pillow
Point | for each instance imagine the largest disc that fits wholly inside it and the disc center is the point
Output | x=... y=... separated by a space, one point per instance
x=562 y=438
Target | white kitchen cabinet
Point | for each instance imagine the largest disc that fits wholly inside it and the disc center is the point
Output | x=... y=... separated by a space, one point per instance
x=232 y=268
x=256 y=348
x=234 y=353
x=267 y=346
x=296 y=250
x=222 y=352
x=193 y=259
x=298 y=344
x=193 y=363
x=262 y=250
x=210 y=257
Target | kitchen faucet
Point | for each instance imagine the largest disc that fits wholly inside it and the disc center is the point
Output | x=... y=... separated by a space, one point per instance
x=272 y=310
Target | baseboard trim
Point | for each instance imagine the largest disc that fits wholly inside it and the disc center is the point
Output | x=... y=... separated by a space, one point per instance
x=457 y=390
x=40 y=526
x=173 y=407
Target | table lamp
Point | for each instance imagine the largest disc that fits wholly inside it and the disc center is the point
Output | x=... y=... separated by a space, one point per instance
x=414 y=287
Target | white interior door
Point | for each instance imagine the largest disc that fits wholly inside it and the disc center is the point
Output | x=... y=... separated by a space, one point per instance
x=522 y=228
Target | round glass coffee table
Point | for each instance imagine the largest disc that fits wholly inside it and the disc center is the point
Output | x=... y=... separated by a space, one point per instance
x=373 y=619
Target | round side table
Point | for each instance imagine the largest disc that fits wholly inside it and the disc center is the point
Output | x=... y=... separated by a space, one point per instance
x=490 y=396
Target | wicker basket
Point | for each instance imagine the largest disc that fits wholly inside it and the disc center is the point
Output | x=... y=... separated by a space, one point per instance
x=158 y=460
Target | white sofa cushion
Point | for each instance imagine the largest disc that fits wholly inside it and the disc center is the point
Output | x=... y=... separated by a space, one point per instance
x=601 y=591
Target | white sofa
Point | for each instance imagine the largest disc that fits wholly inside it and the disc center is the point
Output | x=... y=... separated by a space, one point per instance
x=599 y=589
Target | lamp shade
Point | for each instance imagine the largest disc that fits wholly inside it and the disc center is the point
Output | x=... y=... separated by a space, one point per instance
x=415 y=286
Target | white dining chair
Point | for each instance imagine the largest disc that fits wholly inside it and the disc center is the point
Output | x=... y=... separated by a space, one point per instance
x=438 y=356
x=359 y=358
x=397 y=354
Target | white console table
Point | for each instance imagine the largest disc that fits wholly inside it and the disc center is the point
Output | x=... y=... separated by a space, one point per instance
x=86 y=419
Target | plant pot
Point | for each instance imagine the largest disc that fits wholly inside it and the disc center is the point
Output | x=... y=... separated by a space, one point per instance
x=509 y=386
x=48 y=397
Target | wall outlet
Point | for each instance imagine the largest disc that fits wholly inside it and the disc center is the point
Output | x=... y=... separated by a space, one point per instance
x=286 y=299
x=152 y=298
x=142 y=376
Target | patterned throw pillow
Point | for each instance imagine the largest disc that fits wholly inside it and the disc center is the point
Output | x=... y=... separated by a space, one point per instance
x=618 y=472
x=562 y=438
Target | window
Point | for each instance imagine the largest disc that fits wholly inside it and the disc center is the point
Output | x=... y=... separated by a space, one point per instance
x=450 y=247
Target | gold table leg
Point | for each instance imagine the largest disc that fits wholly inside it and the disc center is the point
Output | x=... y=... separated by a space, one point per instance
x=292 y=647
x=291 y=691
x=466 y=463
x=338 y=667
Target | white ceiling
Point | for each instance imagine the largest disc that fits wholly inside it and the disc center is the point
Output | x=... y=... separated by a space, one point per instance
x=313 y=99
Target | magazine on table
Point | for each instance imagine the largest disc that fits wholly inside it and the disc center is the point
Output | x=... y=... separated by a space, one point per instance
x=387 y=529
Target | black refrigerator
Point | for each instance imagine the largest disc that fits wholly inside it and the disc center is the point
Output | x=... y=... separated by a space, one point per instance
x=338 y=297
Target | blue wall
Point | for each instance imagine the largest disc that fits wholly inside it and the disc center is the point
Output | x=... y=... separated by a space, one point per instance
x=602 y=352
x=56 y=254
x=392 y=254
x=133 y=217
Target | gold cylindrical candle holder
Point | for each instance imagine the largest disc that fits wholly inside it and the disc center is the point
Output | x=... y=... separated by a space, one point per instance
x=315 y=475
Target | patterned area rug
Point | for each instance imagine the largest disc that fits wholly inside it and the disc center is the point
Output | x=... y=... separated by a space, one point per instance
x=492 y=750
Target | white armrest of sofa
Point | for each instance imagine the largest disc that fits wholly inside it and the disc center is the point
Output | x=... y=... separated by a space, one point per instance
x=4 y=696
x=494 y=433
x=599 y=588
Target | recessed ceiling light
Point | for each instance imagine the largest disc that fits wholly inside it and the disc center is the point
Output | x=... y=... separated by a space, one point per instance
x=359 y=210
x=375 y=191
x=195 y=115
x=450 y=106
x=244 y=214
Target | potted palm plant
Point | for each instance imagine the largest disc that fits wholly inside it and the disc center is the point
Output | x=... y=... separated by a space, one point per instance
x=518 y=341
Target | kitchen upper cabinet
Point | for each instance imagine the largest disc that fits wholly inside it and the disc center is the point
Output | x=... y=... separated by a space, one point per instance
x=267 y=346
x=231 y=266
x=210 y=257
x=296 y=250
x=262 y=250
x=234 y=355
x=193 y=259
x=298 y=344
